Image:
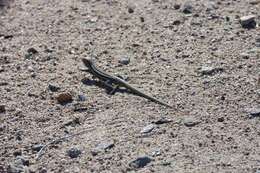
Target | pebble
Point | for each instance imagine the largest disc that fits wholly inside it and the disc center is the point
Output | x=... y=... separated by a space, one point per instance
x=140 y=162
x=64 y=98
x=190 y=121
x=156 y=152
x=1 y=69
x=124 y=60
x=210 y=70
x=82 y=97
x=2 y=108
x=248 y=21
x=176 y=6
x=187 y=8
x=142 y=19
x=37 y=147
x=162 y=120
x=30 y=69
x=130 y=10
x=32 y=51
x=105 y=145
x=253 y=112
x=148 y=128
x=74 y=152
x=53 y=87
x=245 y=55
x=221 y=119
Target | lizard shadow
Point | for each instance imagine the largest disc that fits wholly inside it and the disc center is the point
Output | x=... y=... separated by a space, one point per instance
x=104 y=85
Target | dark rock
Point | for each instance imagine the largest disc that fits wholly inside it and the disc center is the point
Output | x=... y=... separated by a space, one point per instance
x=64 y=98
x=142 y=19
x=210 y=70
x=2 y=108
x=140 y=162
x=130 y=10
x=190 y=121
x=73 y=152
x=253 y=112
x=176 y=22
x=37 y=147
x=32 y=51
x=124 y=60
x=176 y=6
x=82 y=97
x=187 y=8
x=148 y=128
x=248 y=21
x=162 y=121
x=1 y=69
x=221 y=119
x=53 y=87
x=17 y=152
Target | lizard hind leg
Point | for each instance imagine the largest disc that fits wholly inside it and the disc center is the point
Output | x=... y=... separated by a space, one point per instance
x=111 y=89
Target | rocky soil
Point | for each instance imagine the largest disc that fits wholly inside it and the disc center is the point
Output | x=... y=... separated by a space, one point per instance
x=200 y=56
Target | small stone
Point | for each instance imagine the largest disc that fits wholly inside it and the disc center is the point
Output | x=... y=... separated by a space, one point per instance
x=245 y=55
x=64 y=98
x=37 y=147
x=73 y=152
x=1 y=69
x=105 y=145
x=187 y=8
x=221 y=119
x=140 y=162
x=32 y=51
x=190 y=121
x=253 y=112
x=53 y=87
x=176 y=6
x=30 y=69
x=210 y=70
x=2 y=108
x=248 y=21
x=142 y=19
x=17 y=152
x=82 y=97
x=148 y=128
x=124 y=60
x=156 y=152
x=130 y=10
x=163 y=120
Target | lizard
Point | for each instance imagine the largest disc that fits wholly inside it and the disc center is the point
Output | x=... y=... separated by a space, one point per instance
x=119 y=82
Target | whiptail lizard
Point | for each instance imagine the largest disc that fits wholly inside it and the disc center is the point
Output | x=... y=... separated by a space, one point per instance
x=117 y=81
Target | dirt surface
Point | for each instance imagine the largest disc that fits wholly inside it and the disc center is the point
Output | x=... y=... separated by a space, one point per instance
x=194 y=55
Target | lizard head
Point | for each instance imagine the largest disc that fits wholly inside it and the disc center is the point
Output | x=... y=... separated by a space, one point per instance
x=87 y=62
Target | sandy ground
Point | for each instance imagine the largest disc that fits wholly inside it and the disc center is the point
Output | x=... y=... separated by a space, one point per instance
x=194 y=55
